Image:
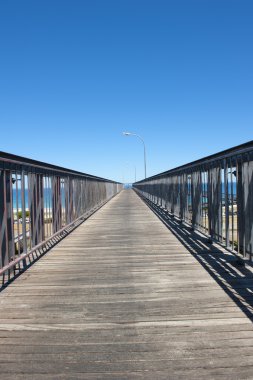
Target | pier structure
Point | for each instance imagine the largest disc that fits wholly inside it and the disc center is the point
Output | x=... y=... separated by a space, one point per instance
x=154 y=282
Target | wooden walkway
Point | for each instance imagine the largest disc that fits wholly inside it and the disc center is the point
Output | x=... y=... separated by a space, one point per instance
x=123 y=297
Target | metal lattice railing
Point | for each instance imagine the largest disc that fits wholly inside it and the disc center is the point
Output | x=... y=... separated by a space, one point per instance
x=40 y=201
x=214 y=195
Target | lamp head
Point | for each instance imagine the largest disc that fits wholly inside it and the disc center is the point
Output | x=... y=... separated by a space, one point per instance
x=126 y=133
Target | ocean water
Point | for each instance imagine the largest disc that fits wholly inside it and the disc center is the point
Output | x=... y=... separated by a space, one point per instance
x=17 y=200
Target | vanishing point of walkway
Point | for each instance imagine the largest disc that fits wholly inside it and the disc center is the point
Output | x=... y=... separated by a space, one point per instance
x=122 y=297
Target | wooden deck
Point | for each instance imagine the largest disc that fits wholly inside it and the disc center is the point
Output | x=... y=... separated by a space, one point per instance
x=124 y=297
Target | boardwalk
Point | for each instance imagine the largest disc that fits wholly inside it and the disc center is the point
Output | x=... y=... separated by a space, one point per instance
x=123 y=297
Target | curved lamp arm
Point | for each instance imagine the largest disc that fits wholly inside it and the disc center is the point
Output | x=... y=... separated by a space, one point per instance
x=134 y=134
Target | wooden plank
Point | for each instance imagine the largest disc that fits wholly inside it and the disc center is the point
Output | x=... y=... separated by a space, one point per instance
x=123 y=297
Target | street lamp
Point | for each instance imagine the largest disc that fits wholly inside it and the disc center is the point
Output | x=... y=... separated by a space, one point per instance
x=134 y=134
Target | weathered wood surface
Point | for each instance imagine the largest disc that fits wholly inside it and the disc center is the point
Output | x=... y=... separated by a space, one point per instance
x=123 y=298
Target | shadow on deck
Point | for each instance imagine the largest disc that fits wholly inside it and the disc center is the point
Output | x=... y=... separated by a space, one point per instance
x=234 y=278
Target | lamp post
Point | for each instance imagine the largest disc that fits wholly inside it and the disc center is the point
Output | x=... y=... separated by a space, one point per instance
x=134 y=134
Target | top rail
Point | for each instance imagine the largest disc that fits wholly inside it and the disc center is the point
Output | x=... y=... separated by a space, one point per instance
x=237 y=150
x=213 y=194
x=38 y=200
x=10 y=161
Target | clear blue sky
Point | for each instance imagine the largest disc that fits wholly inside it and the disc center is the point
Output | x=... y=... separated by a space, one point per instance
x=74 y=74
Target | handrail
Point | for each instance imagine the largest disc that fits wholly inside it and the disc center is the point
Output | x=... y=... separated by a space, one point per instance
x=8 y=160
x=237 y=150
x=39 y=201
x=213 y=194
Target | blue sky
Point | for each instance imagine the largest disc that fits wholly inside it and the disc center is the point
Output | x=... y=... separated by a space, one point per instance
x=75 y=74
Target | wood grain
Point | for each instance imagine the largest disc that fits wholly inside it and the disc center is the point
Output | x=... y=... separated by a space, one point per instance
x=123 y=297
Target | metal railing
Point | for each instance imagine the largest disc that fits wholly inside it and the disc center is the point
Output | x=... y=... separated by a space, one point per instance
x=40 y=201
x=214 y=195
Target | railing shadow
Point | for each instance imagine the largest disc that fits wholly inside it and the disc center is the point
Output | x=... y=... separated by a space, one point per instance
x=233 y=277
x=24 y=265
x=10 y=275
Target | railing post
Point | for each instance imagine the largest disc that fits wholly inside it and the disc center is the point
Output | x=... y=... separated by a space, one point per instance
x=247 y=209
x=225 y=164
x=173 y=195
x=36 y=207
x=210 y=208
x=240 y=208
x=6 y=218
x=23 y=207
x=41 y=224
x=69 y=199
x=183 y=195
x=196 y=198
x=214 y=202
x=56 y=201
